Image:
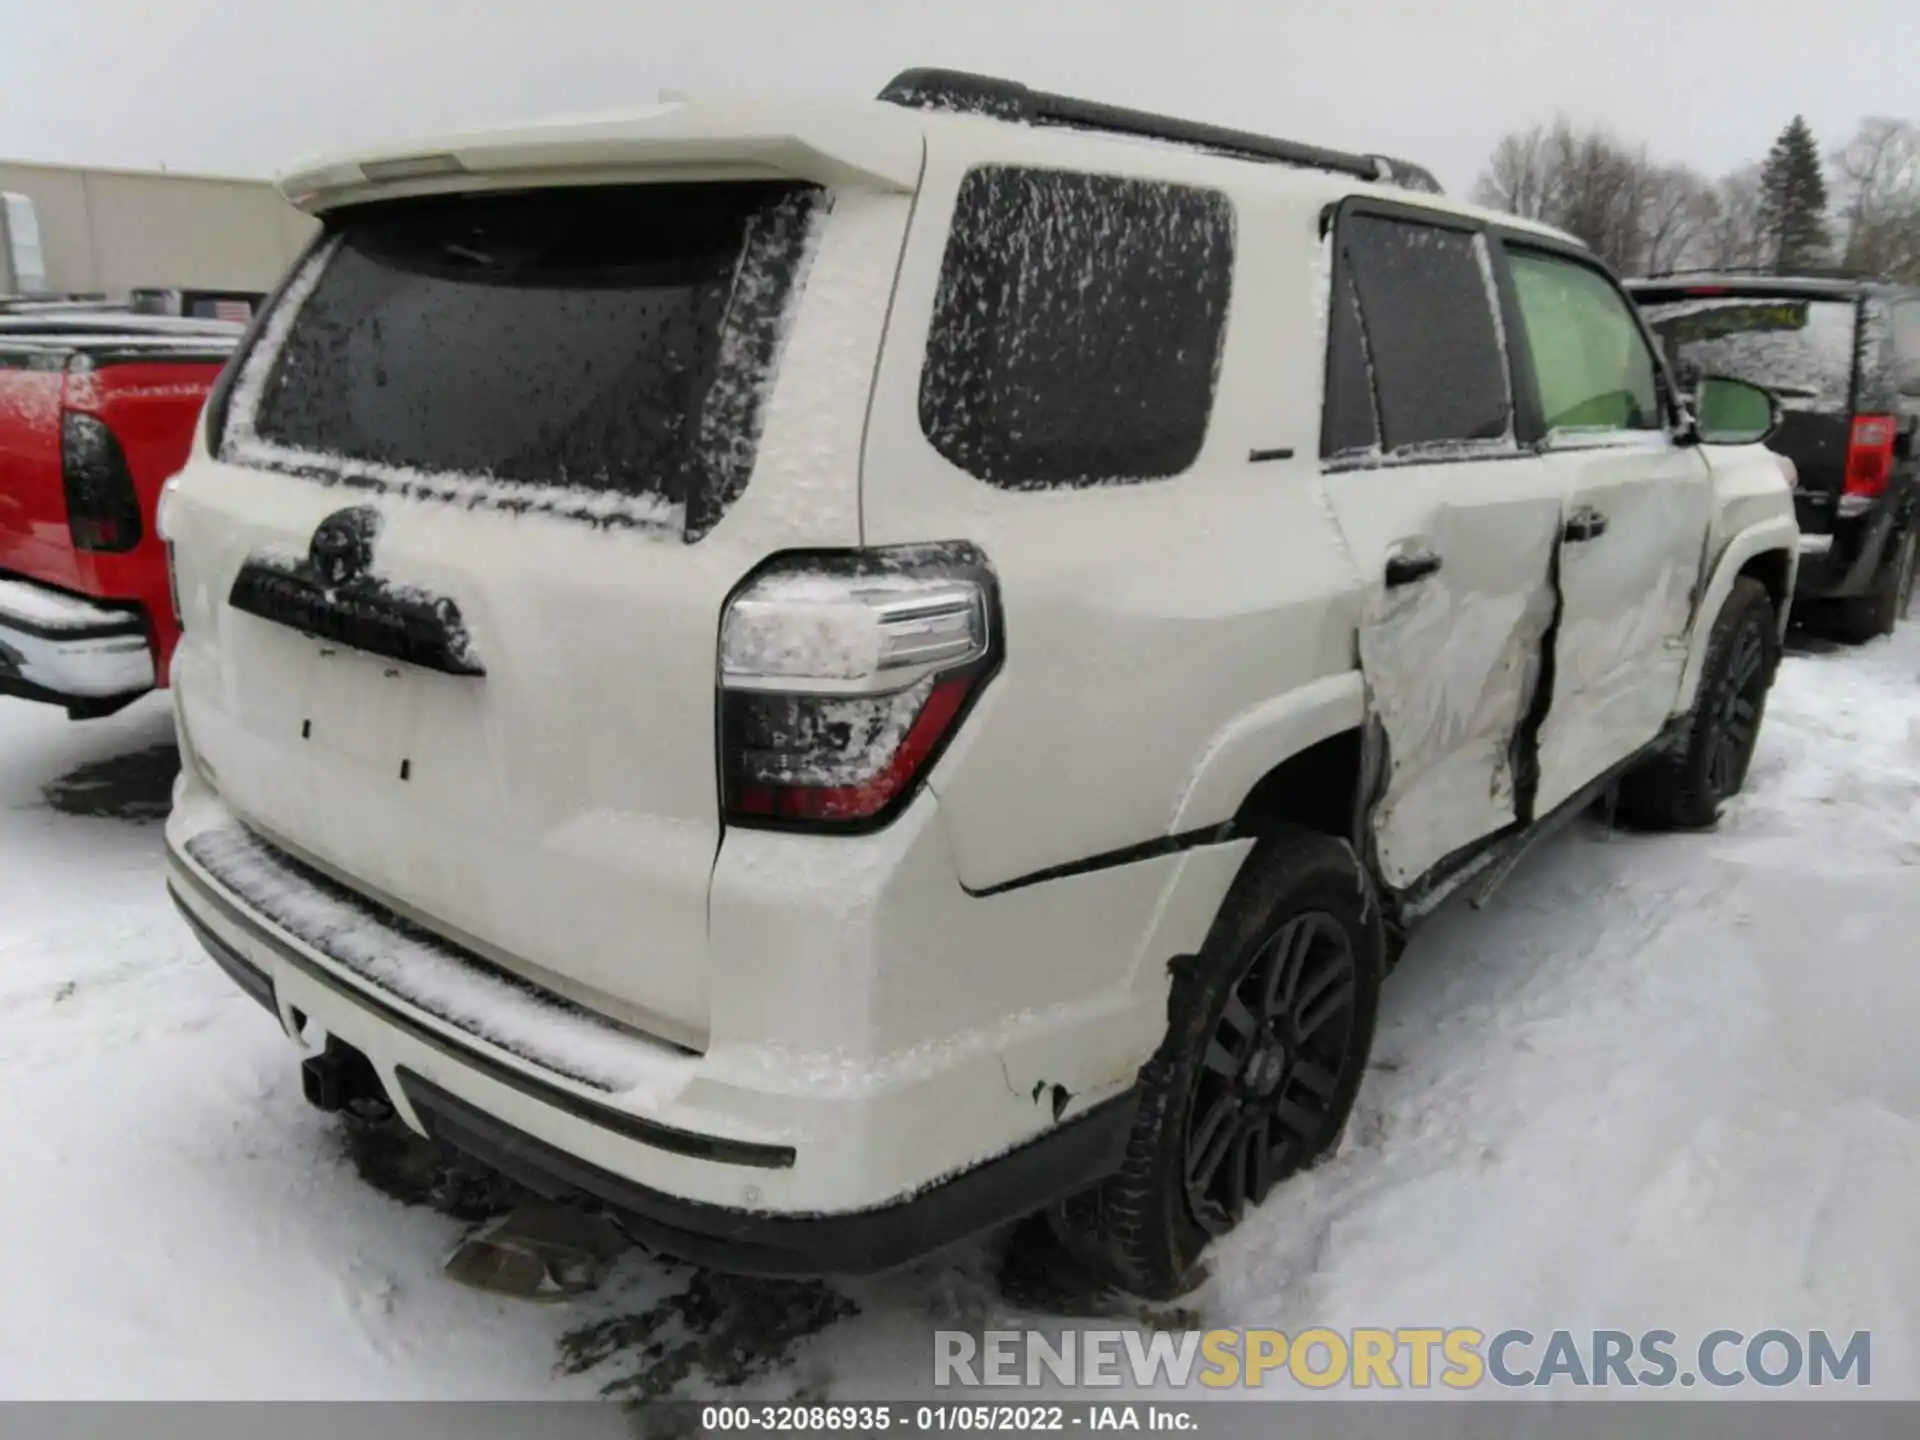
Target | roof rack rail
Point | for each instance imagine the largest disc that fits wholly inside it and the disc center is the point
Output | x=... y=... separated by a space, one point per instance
x=956 y=90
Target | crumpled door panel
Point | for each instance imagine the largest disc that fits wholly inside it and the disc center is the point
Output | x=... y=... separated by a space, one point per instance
x=1453 y=665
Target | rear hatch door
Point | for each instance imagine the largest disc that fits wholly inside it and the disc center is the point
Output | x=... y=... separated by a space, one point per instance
x=453 y=586
x=1802 y=347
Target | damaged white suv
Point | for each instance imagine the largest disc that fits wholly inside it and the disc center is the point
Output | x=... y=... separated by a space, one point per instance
x=824 y=676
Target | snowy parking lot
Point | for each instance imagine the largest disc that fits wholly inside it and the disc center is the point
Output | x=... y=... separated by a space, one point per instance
x=1657 y=1082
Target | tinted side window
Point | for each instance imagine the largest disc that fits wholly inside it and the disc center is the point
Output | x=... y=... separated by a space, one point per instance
x=1427 y=309
x=1077 y=327
x=1590 y=360
x=1906 y=331
x=1351 y=421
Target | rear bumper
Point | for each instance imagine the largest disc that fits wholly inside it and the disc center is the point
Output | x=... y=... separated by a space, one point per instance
x=67 y=650
x=736 y=1239
x=843 y=1142
x=757 y=1243
x=1842 y=563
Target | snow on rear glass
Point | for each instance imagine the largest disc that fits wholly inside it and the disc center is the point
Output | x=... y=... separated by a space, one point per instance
x=1077 y=328
x=1802 y=350
x=608 y=343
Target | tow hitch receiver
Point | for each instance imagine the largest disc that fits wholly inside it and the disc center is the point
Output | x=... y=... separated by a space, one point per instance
x=340 y=1076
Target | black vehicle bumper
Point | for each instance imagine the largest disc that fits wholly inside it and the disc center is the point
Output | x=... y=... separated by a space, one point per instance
x=1842 y=564
x=751 y=1242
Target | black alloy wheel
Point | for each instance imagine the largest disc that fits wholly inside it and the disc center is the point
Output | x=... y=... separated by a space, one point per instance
x=1268 y=1031
x=1736 y=712
x=1263 y=1095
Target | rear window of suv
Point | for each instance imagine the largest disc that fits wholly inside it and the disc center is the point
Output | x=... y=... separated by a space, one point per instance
x=1799 y=347
x=604 y=349
x=1077 y=327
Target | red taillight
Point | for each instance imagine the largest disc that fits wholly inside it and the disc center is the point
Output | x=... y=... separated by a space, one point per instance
x=897 y=769
x=103 y=509
x=1870 y=454
x=842 y=678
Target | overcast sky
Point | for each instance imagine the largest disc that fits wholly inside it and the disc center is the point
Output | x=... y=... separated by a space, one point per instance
x=249 y=86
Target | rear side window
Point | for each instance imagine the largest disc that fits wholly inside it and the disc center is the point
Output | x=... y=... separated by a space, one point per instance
x=1801 y=349
x=1351 y=422
x=1906 y=330
x=1076 y=328
x=1905 y=358
x=1590 y=359
x=1427 y=334
x=553 y=349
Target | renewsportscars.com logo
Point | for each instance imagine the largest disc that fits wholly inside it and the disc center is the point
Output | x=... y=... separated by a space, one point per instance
x=1381 y=1359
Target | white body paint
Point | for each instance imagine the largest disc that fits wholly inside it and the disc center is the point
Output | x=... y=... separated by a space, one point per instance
x=880 y=1002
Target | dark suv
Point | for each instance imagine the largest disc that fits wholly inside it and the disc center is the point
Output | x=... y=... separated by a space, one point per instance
x=1843 y=355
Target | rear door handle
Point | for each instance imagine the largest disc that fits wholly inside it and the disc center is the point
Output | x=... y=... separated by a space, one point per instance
x=1409 y=566
x=1583 y=525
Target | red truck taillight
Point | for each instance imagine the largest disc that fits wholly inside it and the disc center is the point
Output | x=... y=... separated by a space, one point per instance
x=842 y=678
x=103 y=509
x=1870 y=454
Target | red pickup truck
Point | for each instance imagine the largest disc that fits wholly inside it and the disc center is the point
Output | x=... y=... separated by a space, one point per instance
x=96 y=413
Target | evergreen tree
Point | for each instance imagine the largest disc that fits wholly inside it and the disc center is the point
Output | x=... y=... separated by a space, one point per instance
x=1794 y=199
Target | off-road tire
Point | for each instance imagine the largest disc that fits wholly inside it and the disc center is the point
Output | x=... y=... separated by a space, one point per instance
x=1298 y=901
x=1877 y=612
x=1683 y=788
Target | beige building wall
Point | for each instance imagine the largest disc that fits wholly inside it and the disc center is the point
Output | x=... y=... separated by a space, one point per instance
x=115 y=230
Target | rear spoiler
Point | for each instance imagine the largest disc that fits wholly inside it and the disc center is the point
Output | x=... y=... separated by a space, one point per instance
x=870 y=146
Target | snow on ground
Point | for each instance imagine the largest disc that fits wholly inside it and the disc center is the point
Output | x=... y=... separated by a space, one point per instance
x=1659 y=1082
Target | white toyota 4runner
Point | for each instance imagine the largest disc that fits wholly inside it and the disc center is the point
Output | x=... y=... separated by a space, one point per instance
x=825 y=676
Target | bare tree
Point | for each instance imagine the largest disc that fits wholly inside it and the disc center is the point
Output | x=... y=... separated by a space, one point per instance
x=1877 y=182
x=1641 y=216
x=1632 y=213
x=1516 y=178
x=1600 y=193
x=1736 y=235
x=1677 y=218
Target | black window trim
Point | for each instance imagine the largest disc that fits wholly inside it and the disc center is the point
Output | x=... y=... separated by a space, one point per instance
x=1516 y=445
x=1530 y=418
x=1861 y=329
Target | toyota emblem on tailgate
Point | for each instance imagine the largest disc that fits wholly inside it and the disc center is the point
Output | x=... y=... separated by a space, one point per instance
x=342 y=546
